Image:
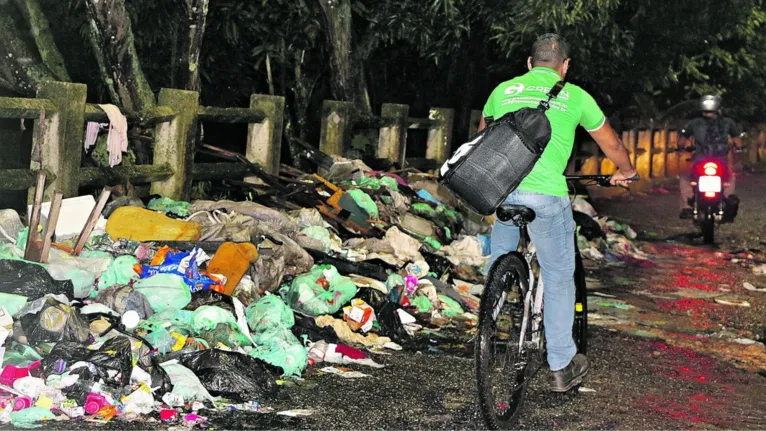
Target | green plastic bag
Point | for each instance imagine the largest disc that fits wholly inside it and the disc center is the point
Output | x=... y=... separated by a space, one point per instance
x=161 y=340
x=319 y=233
x=12 y=303
x=422 y=304
x=309 y=297
x=170 y=319
x=368 y=183
x=20 y=355
x=365 y=201
x=29 y=417
x=120 y=272
x=270 y=312
x=167 y=205
x=452 y=307
x=227 y=333
x=279 y=347
x=208 y=317
x=423 y=209
x=389 y=183
x=164 y=291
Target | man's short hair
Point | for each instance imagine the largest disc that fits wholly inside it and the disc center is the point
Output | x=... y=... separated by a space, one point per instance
x=550 y=48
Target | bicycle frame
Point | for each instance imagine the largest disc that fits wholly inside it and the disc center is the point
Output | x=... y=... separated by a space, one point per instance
x=532 y=310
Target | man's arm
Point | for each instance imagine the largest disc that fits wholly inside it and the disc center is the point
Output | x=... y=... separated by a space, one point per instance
x=482 y=124
x=610 y=144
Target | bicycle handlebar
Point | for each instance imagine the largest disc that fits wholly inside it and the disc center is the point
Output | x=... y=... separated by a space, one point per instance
x=601 y=180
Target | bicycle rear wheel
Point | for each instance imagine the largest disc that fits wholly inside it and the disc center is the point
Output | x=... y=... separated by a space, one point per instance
x=580 y=326
x=501 y=368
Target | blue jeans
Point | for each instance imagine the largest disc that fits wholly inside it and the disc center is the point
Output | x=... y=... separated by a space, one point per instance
x=553 y=233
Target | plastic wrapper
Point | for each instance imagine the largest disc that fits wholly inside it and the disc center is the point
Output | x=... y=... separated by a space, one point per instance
x=123 y=298
x=185 y=265
x=185 y=383
x=232 y=375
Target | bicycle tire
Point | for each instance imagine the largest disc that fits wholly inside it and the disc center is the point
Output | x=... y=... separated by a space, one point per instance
x=580 y=325
x=508 y=273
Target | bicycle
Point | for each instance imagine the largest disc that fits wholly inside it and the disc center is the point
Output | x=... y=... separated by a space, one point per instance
x=513 y=295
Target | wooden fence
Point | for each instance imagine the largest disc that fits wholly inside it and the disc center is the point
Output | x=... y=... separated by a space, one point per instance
x=61 y=113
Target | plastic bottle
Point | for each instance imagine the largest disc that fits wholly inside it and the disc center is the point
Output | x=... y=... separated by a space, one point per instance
x=232 y=261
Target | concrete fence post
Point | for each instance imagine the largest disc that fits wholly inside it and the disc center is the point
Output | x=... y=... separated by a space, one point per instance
x=336 y=123
x=392 y=143
x=659 y=153
x=174 y=143
x=61 y=148
x=439 y=145
x=673 y=162
x=590 y=165
x=264 y=139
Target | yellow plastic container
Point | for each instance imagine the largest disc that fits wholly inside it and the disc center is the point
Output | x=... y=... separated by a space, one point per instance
x=139 y=224
x=232 y=261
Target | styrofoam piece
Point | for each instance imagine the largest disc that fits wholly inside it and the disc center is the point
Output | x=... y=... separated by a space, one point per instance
x=74 y=214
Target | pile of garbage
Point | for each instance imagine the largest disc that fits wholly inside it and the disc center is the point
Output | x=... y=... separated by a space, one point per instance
x=169 y=309
x=602 y=239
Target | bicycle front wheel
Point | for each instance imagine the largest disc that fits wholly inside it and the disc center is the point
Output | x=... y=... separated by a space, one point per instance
x=501 y=367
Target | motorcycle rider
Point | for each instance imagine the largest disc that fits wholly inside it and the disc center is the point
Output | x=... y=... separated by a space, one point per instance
x=710 y=134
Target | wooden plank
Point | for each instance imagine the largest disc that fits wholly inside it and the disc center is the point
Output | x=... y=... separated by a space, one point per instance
x=231 y=115
x=140 y=174
x=50 y=228
x=34 y=244
x=22 y=179
x=220 y=171
x=91 y=223
x=21 y=107
x=150 y=117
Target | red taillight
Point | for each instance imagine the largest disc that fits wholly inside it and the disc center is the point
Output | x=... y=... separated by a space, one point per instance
x=710 y=194
x=710 y=169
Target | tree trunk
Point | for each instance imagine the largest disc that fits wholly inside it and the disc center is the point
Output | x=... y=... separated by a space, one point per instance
x=21 y=68
x=347 y=83
x=112 y=39
x=190 y=45
x=41 y=32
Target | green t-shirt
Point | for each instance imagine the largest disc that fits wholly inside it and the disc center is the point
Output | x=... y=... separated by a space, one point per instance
x=571 y=107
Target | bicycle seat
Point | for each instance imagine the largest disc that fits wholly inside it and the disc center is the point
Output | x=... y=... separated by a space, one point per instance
x=519 y=214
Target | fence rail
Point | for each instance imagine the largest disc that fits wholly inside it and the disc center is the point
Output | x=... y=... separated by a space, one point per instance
x=62 y=113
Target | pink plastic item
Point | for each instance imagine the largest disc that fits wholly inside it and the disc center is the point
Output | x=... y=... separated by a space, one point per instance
x=168 y=415
x=22 y=403
x=12 y=373
x=94 y=403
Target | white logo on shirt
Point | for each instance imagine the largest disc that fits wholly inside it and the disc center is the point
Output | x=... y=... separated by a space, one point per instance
x=515 y=89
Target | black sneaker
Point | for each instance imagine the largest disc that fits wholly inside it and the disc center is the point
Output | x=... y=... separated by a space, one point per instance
x=686 y=214
x=571 y=375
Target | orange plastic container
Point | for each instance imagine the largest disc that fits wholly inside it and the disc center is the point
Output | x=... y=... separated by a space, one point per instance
x=232 y=261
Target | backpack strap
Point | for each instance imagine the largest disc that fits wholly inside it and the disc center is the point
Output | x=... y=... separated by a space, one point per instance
x=554 y=92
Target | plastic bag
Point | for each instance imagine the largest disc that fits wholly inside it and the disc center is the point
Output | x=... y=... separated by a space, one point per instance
x=208 y=317
x=268 y=313
x=31 y=280
x=164 y=291
x=450 y=307
x=12 y=303
x=280 y=348
x=123 y=299
x=54 y=322
x=115 y=354
x=185 y=383
x=63 y=354
x=161 y=340
x=120 y=272
x=321 y=291
x=170 y=319
x=227 y=333
x=167 y=205
x=232 y=375
x=28 y=418
x=365 y=201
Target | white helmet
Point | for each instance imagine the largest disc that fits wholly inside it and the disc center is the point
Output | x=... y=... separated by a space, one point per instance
x=710 y=103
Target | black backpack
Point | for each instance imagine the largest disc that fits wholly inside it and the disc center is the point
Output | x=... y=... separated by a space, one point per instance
x=486 y=169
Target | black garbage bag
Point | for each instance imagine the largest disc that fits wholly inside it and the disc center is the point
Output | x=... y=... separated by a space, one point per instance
x=68 y=353
x=373 y=297
x=33 y=281
x=114 y=355
x=589 y=228
x=390 y=324
x=306 y=326
x=233 y=375
x=55 y=322
x=438 y=264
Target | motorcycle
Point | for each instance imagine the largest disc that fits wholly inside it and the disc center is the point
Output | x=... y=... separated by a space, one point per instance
x=710 y=177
